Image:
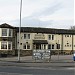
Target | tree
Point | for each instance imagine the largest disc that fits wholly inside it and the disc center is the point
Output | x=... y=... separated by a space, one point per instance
x=72 y=27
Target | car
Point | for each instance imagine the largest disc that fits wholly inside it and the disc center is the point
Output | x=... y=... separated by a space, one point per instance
x=74 y=56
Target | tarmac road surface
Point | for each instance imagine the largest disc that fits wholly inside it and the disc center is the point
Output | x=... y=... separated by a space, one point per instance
x=13 y=70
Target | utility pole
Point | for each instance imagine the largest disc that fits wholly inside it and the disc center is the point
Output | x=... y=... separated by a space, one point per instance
x=20 y=31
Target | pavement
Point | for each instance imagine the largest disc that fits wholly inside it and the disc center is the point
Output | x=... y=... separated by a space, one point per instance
x=27 y=61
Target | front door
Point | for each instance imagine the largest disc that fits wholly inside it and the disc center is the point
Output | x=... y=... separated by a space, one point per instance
x=38 y=46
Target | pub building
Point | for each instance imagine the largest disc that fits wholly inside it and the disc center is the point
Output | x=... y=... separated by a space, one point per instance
x=62 y=40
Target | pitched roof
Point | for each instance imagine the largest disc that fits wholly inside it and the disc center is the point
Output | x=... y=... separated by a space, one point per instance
x=39 y=30
x=45 y=30
x=5 y=25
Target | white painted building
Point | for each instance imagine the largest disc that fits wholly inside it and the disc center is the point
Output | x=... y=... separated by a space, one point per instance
x=62 y=40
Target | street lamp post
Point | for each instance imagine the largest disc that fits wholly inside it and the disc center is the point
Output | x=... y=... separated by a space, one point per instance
x=58 y=49
x=19 y=31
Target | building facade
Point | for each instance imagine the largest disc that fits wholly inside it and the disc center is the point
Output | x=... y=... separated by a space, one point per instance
x=57 y=40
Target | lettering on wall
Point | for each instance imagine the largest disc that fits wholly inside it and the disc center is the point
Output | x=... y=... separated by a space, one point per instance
x=39 y=36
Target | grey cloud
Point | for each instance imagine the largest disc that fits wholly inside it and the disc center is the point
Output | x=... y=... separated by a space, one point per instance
x=48 y=10
x=32 y=22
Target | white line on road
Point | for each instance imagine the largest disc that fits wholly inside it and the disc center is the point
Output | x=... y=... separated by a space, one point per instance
x=73 y=68
x=6 y=73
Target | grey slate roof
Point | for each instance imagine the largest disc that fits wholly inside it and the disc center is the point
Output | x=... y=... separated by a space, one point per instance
x=39 y=30
x=5 y=25
x=46 y=30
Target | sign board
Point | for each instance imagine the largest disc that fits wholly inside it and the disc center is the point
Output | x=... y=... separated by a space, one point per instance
x=41 y=54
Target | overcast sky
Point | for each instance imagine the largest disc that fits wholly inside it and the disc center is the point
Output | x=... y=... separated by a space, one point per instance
x=38 y=13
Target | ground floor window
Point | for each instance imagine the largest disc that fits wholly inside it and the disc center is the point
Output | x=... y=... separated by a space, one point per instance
x=52 y=46
x=6 y=45
x=3 y=45
x=9 y=45
x=39 y=46
x=26 y=46
x=49 y=46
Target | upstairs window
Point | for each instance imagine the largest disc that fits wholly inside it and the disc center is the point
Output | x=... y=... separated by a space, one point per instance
x=4 y=32
x=26 y=36
x=49 y=37
x=10 y=32
x=52 y=37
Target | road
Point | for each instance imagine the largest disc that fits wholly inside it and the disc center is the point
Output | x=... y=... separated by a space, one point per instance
x=64 y=66
x=15 y=70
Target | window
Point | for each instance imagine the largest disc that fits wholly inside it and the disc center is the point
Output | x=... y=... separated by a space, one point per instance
x=3 y=45
x=24 y=46
x=4 y=32
x=70 y=45
x=10 y=32
x=49 y=46
x=44 y=46
x=26 y=36
x=6 y=45
x=67 y=35
x=9 y=45
x=52 y=46
x=28 y=46
x=52 y=37
x=58 y=46
x=67 y=45
x=49 y=37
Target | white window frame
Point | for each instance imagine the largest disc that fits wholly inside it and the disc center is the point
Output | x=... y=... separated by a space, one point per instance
x=3 y=45
x=10 y=44
x=7 y=45
x=26 y=46
x=27 y=37
x=9 y=32
x=6 y=31
x=49 y=37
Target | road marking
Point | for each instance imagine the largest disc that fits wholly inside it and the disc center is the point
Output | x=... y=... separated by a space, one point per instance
x=6 y=73
x=73 y=68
